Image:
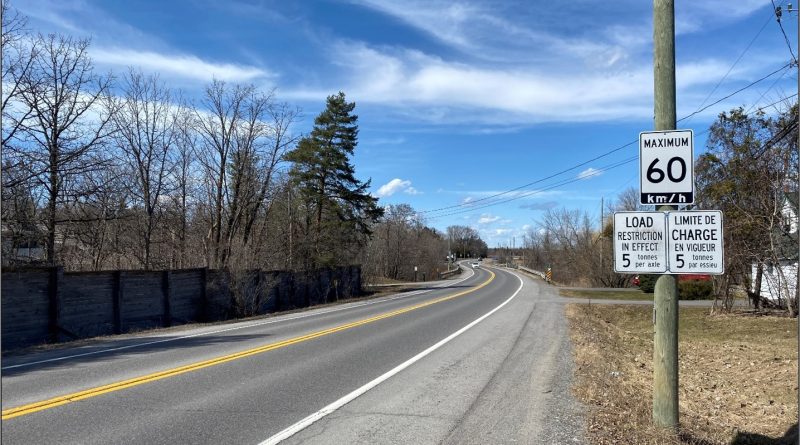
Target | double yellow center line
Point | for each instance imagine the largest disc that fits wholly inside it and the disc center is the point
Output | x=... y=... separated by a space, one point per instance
x=116 y=386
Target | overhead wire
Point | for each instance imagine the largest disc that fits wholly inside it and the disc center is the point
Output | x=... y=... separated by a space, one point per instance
x=751 y=84
x=531 y=183
x=785 y=38
x=764 y=93
x=492 y=200
x=542 y=190
x=736 y=62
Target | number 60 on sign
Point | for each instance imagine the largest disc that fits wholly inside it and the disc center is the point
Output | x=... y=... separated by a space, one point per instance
x=666 y=174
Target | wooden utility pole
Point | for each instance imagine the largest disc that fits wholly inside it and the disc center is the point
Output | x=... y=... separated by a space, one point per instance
x=797 y=215
x=665 y=309
x=797 y=221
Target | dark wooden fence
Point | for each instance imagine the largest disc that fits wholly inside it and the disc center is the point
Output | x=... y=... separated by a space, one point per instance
x=48 y=305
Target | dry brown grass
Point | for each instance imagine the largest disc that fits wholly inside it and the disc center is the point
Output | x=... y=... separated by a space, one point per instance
x=611 y=294
x=738 y=376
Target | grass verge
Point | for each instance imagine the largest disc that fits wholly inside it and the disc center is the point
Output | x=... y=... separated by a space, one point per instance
x=738 y=376
x=611 y=294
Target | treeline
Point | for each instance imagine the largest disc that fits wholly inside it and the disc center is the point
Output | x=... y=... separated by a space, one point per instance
x=104 y=172
x=749 y=171
x=404 y=248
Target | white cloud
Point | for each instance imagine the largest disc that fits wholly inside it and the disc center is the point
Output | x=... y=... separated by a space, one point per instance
x=540 y=205
x=580 y=69
x=384 y=141
x=589 y=173
x=497 y=31
x=180 y=65
x=695 y=16
x=394 y=186
x=428 y=88
x=448 y=22
x=499 y=232
x=487 y=218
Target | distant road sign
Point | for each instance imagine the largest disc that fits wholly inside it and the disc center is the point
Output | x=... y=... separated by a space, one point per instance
x=666 y=173
x=639 y=242
x=694 y=242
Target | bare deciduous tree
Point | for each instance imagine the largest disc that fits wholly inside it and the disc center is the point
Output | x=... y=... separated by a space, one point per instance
x=235 y=135
x=18 y=57
x=66 y=127
x=145 y=124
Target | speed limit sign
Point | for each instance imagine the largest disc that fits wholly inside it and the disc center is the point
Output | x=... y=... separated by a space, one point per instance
x=666 y=173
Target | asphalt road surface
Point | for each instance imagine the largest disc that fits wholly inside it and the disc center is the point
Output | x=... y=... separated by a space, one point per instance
x=481 y=359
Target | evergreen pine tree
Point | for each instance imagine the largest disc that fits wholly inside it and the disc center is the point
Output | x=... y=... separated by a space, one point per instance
x=338 y=208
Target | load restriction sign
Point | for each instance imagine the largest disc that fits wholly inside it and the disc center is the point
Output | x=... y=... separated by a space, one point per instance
x=694 y=242
x=639 y=242
x=688 y=242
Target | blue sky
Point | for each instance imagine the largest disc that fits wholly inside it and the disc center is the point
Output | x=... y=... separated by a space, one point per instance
x=457 y=100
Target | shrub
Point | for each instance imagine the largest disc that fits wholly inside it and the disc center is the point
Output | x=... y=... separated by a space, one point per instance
x=695 y=289
x=647 y=283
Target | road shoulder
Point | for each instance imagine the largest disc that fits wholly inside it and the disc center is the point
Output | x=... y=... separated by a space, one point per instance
x=507 y=380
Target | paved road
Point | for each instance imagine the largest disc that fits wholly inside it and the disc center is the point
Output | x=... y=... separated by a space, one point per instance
x=483 y=360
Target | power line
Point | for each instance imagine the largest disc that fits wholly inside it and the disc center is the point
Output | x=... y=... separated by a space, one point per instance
x=777 y=102
x=531 y=183
x=769 y=144
x=771 y=86
x=470 y=206
x=538 y=191
x=751 y=84
x=785 y=38
x=747 y=48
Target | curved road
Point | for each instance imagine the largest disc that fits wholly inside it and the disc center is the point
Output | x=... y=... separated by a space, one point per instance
x=483 y=360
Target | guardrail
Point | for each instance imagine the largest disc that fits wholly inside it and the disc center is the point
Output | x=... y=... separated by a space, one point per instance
x=448 y=273
x=533 y=272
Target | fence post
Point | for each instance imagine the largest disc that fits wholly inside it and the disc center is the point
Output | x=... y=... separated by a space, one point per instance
x=166 y=289
x=260 y=289
x=54 y=306
x=117 y=300
x=357 y=287
x=203 y=294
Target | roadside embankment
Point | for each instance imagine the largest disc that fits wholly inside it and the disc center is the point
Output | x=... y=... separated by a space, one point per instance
x=738 y=376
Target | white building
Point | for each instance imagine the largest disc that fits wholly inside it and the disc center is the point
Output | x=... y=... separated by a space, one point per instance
x=779 y=281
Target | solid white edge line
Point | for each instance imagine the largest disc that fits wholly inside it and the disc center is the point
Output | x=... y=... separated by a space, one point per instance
x=251 y=325
x=308 y=421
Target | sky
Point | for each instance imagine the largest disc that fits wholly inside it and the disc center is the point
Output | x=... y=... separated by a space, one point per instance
x=459 y=101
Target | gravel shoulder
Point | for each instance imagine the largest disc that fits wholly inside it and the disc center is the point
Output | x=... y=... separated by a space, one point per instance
x=506 y=380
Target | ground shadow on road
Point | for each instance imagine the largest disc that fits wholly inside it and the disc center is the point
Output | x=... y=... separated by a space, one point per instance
x=125 y=347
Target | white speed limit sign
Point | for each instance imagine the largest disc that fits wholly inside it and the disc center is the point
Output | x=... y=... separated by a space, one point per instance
x=666 y=173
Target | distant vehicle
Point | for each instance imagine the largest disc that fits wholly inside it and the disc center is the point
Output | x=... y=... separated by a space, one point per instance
x=635 y=280
x=475 y=265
